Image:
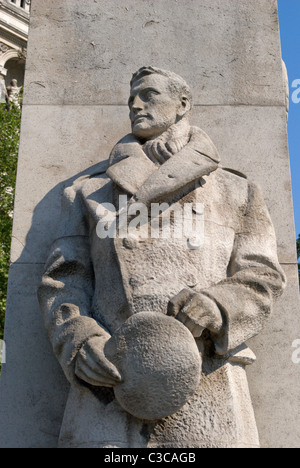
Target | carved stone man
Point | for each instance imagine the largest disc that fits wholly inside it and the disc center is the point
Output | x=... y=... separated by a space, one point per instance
x=13 y=93
x=222 y=289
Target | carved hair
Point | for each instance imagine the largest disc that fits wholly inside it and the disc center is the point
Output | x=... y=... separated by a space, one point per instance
x=176 y=83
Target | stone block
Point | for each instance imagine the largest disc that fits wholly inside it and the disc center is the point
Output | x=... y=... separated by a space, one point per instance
x=33 y=388
x=274 y=379
x=83 y=53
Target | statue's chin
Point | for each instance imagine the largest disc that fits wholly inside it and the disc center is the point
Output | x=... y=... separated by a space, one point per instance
x=146 y=133
x=143 y=133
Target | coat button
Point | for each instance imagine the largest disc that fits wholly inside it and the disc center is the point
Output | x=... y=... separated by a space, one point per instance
x=191 y=281
x=194 y=243
x=198 y=208
x=137 y=280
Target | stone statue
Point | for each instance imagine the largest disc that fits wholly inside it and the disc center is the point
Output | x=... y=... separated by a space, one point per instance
x=13 y=93
x=150 y=330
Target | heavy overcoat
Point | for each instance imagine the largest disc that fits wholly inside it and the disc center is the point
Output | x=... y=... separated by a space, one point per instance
x=91 y=285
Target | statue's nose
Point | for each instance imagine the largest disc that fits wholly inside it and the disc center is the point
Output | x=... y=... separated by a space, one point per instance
x=137 y=104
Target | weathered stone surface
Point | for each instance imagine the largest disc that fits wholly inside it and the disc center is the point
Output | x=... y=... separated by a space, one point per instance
x=160 y=364
x=274 y=378
x=228 y=51
x=33 y=395
x=60 y=143
x=105 y=424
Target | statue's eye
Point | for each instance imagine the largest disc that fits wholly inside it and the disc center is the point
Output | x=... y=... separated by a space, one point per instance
x=151 y=93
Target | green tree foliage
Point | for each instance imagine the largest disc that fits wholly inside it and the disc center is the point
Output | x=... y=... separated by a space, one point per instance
x=10 y=120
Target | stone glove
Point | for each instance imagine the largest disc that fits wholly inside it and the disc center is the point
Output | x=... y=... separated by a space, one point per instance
x=196 y=311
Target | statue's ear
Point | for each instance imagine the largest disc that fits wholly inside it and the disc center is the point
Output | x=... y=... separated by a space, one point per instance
x=185 y=106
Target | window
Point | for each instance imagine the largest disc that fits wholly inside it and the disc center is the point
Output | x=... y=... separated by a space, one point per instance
x=24 y=4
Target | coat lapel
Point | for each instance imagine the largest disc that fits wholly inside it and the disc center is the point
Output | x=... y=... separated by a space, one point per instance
x=129 y=165
x=133 y=171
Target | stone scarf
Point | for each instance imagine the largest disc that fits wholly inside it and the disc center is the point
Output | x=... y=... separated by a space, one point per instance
x=174 y=140
x=132 y=168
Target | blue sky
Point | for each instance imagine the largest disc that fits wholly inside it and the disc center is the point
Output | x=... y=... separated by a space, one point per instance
x=289 y=20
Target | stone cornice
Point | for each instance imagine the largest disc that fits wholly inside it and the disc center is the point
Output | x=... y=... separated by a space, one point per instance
x=9 y=8
x=12 y=36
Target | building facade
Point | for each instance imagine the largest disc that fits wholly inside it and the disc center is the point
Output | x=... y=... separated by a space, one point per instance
x=14 y=25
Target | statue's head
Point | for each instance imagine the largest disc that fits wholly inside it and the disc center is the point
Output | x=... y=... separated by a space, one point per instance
x=158 y=99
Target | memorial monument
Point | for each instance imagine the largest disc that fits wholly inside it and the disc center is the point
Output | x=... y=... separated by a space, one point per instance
x=153 y=334
x=222 y=288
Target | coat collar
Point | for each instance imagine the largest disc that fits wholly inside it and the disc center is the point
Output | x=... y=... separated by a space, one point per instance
x=132 y=170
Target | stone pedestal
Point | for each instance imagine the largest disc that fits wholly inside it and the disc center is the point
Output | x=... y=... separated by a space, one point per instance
x=75 y=110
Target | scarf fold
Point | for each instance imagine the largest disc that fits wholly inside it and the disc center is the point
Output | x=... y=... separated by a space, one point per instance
x=137 y=170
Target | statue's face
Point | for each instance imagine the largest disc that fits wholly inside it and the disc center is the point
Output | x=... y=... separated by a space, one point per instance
x=153 y=107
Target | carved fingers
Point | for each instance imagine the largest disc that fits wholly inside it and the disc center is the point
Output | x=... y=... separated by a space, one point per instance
x=159 y=151
x=196 y=312
x=93 y=367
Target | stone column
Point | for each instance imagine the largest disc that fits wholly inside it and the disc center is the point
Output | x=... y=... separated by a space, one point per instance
x=75 y=109
x=2 y=90
x=3 y=73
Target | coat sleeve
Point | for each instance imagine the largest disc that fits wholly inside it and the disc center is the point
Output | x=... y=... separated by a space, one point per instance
x=255 y=279
x=66 y=290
